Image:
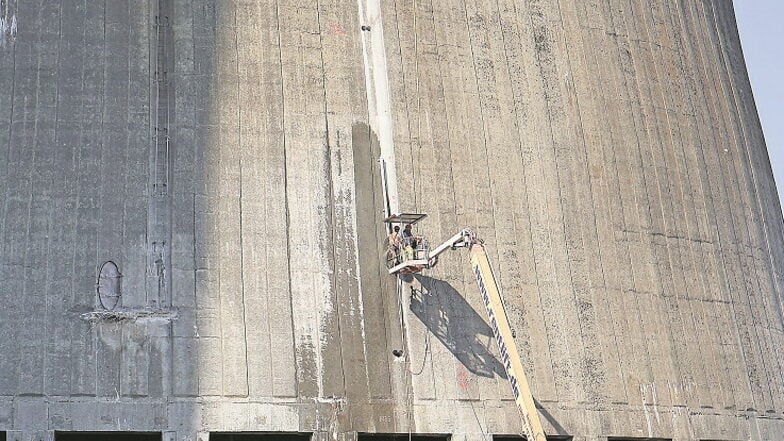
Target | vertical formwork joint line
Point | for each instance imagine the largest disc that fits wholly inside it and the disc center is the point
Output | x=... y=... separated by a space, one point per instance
x=158 y=285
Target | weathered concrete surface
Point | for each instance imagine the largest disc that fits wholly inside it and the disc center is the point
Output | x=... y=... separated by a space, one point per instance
x=222 y=153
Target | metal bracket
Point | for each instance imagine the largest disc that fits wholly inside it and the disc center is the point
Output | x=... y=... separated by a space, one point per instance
x=162 y=21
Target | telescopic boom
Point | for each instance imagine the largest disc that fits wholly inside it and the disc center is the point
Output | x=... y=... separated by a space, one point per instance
x=499 y=322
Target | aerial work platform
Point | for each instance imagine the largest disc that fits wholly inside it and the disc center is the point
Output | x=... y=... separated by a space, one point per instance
x=412 y=253
x=408 y=254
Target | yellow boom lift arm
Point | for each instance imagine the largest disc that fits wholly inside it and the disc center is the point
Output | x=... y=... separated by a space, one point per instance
x=496 y=313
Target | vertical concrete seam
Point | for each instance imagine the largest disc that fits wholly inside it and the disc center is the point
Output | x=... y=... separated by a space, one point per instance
x=47 y=331
x=219 y=194
x=158 y=271
x=95 y=336
x=152 y=105
x=240 y=200
x=30 y=192
x=297 y=373
x=77 y=166
x=127 y=151
x=196 y=309
x=330 y=193
x=100 y=203
x=168 y=66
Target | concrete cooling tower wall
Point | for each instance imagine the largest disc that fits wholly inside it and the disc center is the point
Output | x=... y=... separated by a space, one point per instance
x=191 y=206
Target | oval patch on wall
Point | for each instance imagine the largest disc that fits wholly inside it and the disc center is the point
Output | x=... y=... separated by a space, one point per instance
x=109 y=285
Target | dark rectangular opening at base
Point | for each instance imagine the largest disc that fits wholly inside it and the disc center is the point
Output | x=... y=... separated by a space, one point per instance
x=401 y=437
x=522 y=438
x=626 y=438
x=107 y=436
x=260 y=436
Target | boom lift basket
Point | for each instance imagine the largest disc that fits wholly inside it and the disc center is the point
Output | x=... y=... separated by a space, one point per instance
x=409 y=255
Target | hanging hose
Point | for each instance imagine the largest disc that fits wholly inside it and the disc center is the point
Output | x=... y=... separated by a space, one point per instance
x=408 y=385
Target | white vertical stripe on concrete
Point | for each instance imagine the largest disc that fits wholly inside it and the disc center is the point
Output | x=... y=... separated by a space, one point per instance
x=378 y=93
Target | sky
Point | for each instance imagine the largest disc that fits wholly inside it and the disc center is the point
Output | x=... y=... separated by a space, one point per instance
x=762 y=37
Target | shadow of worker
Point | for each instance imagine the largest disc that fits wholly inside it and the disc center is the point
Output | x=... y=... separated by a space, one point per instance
x=457 y=325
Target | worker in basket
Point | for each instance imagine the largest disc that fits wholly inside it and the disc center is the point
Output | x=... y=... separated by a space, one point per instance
x=393 y=243
x=408 y=242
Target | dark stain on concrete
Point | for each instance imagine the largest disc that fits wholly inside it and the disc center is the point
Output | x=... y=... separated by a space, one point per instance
x=378 y=288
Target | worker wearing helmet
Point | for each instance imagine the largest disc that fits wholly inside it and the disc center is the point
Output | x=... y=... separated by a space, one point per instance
x=408 y=242
x=393 y=236
x=394 y=255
